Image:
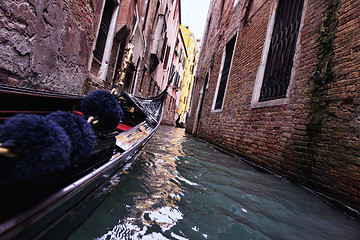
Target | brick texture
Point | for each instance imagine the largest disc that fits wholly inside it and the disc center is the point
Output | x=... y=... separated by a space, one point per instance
x=313 y=139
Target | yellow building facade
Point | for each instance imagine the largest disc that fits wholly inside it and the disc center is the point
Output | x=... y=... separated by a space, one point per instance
x=192 y=49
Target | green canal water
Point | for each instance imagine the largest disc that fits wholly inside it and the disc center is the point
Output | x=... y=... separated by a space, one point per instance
x=182 y=188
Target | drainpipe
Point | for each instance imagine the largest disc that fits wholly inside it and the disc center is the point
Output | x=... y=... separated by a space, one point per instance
x=135 y=79
x=145 y=44
x=136 y=24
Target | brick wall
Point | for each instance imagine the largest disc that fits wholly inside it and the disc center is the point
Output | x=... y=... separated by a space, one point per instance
x=169 y=114
x=313 y=138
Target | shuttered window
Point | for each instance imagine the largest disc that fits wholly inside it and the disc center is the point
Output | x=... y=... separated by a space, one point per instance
x=104 y=29
x=282 y=49
x=166 y=57
x=163 y=49
x=225 y=73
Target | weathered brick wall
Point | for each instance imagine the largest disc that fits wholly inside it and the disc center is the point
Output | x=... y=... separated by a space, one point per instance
x=333 y=144
x=314 y=138
x=194 y=102
x=169 y=115
x=323 y=149
x=46 y=44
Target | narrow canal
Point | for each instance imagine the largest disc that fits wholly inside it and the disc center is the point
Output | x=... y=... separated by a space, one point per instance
x=182 y=188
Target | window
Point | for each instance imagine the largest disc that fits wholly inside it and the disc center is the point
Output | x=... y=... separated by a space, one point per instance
x=156 y=14
x=176 y=8
x=281 y=51
x=163 y=49
x=166 y=57
x=221 y=11
x=172 y=70
x=142 y=80
x=133 y=87
x=207 y=29
x=119 y=59
x=100 y=58
x=146 y=13
x=176 y=80
x=180 y=80
x=103 y=30
x=224 y=73
x=246 y=11
x=235 y=2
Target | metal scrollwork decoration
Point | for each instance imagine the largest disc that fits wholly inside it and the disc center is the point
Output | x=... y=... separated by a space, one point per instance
x=119 y=83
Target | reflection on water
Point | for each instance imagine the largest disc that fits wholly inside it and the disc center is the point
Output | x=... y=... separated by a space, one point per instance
x=181 y=188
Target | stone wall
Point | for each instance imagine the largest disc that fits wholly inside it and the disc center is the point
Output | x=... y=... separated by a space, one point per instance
x=313 y=137
x=45 y=44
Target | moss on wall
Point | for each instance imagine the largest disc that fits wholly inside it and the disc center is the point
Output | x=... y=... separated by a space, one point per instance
x=321 y=80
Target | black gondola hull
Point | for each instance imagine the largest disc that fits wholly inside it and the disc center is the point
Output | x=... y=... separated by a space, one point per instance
x=61 y=212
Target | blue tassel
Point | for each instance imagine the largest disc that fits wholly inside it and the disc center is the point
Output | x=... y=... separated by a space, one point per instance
x=104 y=107
x=79 y=131
x=41 y=145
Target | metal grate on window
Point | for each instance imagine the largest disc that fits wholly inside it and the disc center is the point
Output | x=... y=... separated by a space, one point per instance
x=282 y=49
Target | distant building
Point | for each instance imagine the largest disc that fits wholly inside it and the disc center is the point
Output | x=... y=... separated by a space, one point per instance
x=189 y=64
x=278 y=84
x=77 y=47
x=164 y=70
x=151 y=26
x=179 y=64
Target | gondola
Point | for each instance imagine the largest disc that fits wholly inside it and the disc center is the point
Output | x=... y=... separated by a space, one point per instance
x=54 y=210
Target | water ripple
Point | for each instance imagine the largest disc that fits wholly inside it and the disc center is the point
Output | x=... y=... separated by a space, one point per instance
x=182 y=188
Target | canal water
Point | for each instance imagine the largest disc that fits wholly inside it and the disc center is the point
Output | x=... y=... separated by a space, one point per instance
x=182 y=188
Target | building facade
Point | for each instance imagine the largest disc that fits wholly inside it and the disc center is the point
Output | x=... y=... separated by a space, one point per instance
x=79 y=46
x=192 y=52
x=277 y=84
x=165 y=69
x=181 y=56
x=45 y=47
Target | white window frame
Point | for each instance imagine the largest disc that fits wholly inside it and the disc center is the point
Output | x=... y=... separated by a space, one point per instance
x=101 y=76
x=219 y=76
x=236 y=2
x=202 y=95
x=261 y=70
x=218 y=83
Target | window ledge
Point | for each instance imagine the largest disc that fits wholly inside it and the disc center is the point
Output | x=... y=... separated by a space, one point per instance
x=216 y=111
x=95 y=79
x=270 y=103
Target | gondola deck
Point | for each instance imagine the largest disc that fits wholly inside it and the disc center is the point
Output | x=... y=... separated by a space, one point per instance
x=53 y=211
